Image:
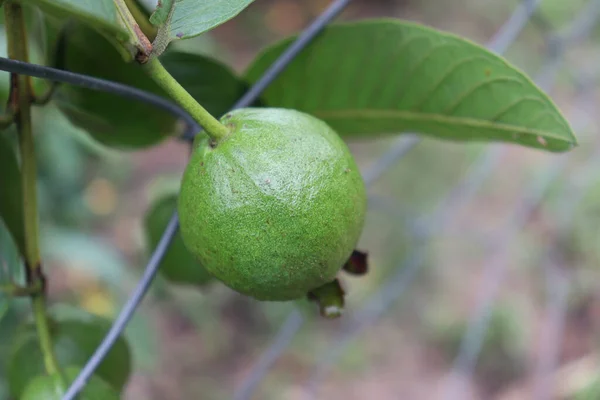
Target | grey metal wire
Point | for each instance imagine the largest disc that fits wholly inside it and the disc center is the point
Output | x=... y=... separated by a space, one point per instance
x=559 y=281
x=558 y=286
x=495 y=272
x=261 y=367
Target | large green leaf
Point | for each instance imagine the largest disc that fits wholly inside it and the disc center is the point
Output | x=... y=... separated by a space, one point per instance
x=110 y=119
x=161 y=12
x=386 y=76
x=11 y=204
x=178 y=264
x=193 y=17
x=126 y=124
x=102 y=14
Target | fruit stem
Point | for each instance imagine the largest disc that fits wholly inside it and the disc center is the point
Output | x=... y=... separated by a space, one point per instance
x=20 y=100
x=211 y=125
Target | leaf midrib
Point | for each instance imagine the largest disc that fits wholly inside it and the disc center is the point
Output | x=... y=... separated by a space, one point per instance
x=452 y=120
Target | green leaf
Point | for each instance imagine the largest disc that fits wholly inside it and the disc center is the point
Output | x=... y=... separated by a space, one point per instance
x=178 y=264
x=112 y=120
x=101 y=14
x=74 y=340
x=127 y=124
x=10 y=260
x=11 y=204
x=386 y=76
x=192 y=17
x=161 y=13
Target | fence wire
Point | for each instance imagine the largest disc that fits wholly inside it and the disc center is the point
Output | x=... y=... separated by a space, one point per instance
x=496 y=268
x=425 y=227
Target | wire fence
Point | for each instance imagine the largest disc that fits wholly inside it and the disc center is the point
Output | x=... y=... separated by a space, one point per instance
x=425 y=228
x=495 y=269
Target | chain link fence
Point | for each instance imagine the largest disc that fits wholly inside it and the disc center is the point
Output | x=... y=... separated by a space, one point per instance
x=497 y=264
x=542 y=210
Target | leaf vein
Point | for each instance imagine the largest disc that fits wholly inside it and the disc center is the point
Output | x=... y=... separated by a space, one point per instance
x=465 y=95
x=410 y=116
x=453 y=67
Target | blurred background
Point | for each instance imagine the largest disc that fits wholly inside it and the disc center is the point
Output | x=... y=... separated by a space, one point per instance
x=484 y=258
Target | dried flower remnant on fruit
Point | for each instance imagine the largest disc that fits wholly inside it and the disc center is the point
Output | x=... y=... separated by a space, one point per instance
x=330 y=298
x=357 y=264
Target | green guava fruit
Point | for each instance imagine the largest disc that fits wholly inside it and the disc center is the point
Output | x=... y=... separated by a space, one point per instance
x=178 y=264
x=50 y=387
x=75 y=341
x=275 y=208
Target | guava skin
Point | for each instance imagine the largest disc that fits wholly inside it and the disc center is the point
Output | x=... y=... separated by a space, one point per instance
x=275 y=208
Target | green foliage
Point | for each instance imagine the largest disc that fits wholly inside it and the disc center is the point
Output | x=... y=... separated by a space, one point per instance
x=161 y=13
x=101 y=14
x=11 y=193
x=191 y=18
x=210 y=82
x=276 y=208
x=386 y=76
x=112 y=120
x=277 y=217
x=75 y=340
x=178 y=264
x=62 y=185
x=50 y=387
x=9 y=324
x=125 y=124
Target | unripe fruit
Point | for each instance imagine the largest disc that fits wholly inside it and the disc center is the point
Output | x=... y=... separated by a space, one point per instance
x=275 y=208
